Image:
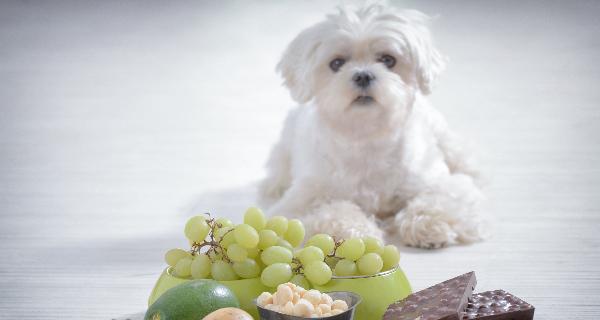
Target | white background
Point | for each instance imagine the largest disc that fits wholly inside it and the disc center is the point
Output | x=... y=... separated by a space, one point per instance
x=120 y=118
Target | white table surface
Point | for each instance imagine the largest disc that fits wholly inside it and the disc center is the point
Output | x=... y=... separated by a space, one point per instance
x=118 y=119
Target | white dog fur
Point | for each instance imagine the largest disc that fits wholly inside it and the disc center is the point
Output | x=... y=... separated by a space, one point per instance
x=387 y=163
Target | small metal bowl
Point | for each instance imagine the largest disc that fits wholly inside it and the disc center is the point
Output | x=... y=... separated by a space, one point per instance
x=351 y=298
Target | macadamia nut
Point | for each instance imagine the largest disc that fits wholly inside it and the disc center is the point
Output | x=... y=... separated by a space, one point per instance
x=303 y=308
x=340 y=305
x=314 y=296
x=283 y=295
x=264 y=299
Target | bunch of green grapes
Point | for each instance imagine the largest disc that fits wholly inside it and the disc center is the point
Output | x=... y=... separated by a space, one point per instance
x=259 y=247
x=323 y=257
x=269 y=249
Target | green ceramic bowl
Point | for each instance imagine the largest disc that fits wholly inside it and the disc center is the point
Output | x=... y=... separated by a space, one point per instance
x=377 y=291
x=246 y=290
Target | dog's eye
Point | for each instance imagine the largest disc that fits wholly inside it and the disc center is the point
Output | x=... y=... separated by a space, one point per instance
x=336 y=64
x=388 y=60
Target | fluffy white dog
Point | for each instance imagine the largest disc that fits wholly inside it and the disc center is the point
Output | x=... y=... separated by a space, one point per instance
x=364 y=153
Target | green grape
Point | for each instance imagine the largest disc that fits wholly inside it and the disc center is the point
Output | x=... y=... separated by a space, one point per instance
x=255 y=218
x=276 y=254
x=317 y=272
x=225 y=236
x=310 y=254
x=285 y=244
x=196 y=229
x=278 y=224
x=323 y=241
x=200 y=267
x=373 y=245
x=267 y=238
x=247 y=269
x=345 y=268
x=246 y=236
x=295 y=232
x=183 y=268
x=237 y=253
x=222 y=271
x=301 y=281
x=174 y=255
x=390 y=257
x=253 y=252
x=351 y=249
x=276 y=274
x=224 y=222
x=369 y=264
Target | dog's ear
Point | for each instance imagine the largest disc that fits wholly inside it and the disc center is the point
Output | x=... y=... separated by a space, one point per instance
x=428 y=61
x=298 y=62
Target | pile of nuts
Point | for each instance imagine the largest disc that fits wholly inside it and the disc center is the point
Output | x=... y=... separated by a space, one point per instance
x=294 y=300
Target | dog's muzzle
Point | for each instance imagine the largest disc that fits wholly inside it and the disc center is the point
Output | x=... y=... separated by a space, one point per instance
x=363 y=78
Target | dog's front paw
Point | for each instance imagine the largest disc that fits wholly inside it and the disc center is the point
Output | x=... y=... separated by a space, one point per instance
x=342 y=219
x=430 y=245
x=426 y=229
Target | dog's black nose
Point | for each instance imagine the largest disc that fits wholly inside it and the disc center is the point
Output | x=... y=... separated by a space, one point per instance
x=363 y=78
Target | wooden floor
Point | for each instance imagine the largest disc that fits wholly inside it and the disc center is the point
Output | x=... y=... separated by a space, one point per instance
x=119 y=119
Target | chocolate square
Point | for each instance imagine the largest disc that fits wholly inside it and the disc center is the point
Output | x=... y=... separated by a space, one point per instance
x=497 y=305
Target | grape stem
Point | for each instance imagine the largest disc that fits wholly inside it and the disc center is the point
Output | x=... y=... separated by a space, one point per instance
x=337 y=244
x=299 y=268
x=213 y=244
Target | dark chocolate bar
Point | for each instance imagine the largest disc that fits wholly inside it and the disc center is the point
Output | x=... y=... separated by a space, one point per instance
x=443 y=301
x=497 y=305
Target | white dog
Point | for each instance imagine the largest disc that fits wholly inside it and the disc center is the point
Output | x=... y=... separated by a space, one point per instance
x=364 y=153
